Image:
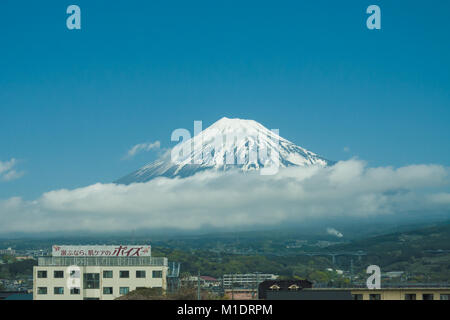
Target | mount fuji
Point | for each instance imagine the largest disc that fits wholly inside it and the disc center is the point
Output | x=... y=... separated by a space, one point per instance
x=227 y=144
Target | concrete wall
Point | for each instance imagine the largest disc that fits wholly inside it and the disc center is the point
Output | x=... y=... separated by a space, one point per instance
x=309 y=294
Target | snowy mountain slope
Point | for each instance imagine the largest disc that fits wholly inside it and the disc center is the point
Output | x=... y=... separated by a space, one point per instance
x=228 y=143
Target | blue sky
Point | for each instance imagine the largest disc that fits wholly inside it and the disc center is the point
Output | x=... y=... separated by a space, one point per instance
x=73 y=102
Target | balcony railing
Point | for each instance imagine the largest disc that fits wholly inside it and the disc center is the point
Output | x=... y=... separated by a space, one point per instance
x=102 y=261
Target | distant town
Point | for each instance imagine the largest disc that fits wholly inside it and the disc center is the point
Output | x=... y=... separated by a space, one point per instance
x=413 y=266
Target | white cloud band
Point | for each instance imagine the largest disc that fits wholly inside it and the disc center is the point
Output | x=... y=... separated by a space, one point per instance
x=232 y=199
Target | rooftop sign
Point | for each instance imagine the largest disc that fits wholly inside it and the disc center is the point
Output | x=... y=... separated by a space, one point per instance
x=102 y=251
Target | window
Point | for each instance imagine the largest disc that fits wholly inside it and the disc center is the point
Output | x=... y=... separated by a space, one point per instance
x=374 y=296
x=140 y=274
x=124 y=290
x=157 y=274
x=107 y=274
x=107 y=290
x=274 y=287
x=42 y=274
x=58 y=274
x=124 y=274
x=75 y=291
x=445 y=296
x=357 y=297
x=428 y=296
x=42 y=290
x=410 y=296
x=293 y=287
x=91 y=280
x=58 y=290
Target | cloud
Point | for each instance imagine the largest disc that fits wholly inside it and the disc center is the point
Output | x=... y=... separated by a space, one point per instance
x=334 y=232
x=348 y=189
x=142 y=147
x=8 y=171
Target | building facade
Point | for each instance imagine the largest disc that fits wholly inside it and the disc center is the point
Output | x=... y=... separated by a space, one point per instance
x=410 y=293
x=96 y=277
x=303 y=290
x=247 y=280
x=8 y=251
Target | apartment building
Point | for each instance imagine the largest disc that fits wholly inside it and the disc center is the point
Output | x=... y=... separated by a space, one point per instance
x=8 y=251
x=97 y=272
x=247 y=280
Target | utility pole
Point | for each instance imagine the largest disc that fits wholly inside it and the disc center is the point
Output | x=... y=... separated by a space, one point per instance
x=351 y=271
x=223 y=287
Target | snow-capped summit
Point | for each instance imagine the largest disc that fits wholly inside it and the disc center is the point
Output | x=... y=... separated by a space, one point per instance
x=226 y=144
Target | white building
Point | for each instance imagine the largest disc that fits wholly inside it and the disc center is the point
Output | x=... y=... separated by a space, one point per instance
x=8 y=251
x=93 y=277
x=247 y=280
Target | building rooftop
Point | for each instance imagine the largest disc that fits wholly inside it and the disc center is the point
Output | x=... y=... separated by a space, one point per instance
x=102 y=261
x=208 y=278
x=381 y=289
